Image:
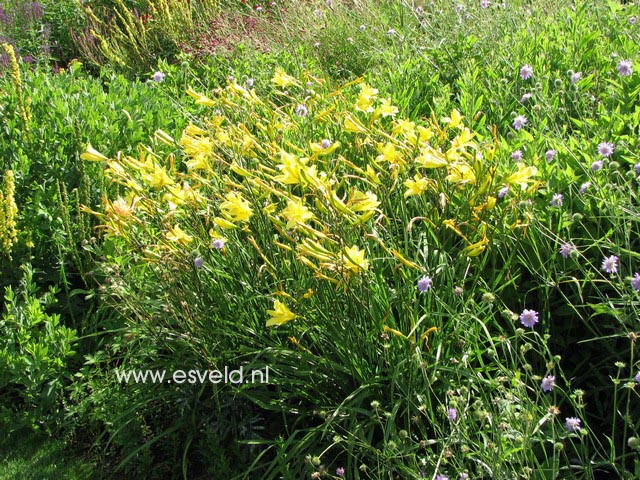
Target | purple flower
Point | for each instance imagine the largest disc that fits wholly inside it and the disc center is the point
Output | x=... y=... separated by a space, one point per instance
x=529 y=318
x=606 y=149
x=572 y=424
x=625 y=68
x=637 y=377
x=326 y=143
x=340 y=472
x=424 y=284
x=249 y=83
x=633 y=20
x=575 y=77
x=526 y=72
x=517 y=155
x=584 y=187
x=567 y=249
x=597 y=165
x=610 y=264
x=484 y=3
x=548 y=383
x=198 y=262
x=557 y=200
x=550 y=155
x=636 y=167
x=635 y=282
x=159 y=76
x=526 y=97
x=302 y=110
x=464 y=476
x=519 y=122
x=442 y=477
x=218 y=243
x=452 y=414
x=503 y=192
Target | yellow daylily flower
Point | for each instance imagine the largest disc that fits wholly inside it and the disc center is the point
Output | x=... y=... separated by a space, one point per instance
x=364 y=103
x=282 y=79
x=388 y=153
x=353 y=125
x=177 y=235
x=431 y=158
x=454 y=120
x=158 y=178
x=417 y=186
x=325 y=147
x=93 y=155
x=461 y=173
x=291 y=167
x=363 y=202
x=522 y=177
x=236 y=208
x=296 y=213
x=353 y=260
x=386 y=109
x=280 y=314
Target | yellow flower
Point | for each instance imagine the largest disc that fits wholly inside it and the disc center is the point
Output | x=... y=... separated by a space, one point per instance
x=325 y=147
x=280 y=314
x=353 y=261
x=158 y=178
x=281 y=79
x=366 y=98
x=93 y=155
x=522 y=177
x=290 y=167
x=224 y=224
x=461 y=173
x=406 y=128
x=353 y=125
x=363 y=202
x=431 y=158
x=236 y=208
x=386 y=109
x=454 y=120
x=177 y=235
x=418 y=185
x=388 y=153
x=296 y=213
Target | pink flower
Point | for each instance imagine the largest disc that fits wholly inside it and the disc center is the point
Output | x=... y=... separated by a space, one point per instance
x=625 y=68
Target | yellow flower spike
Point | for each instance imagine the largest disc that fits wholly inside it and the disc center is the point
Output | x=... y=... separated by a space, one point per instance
x=476 y=249
x=297 y=344
x=393 y=331
x=425 y=336
x=93 y=155
x=282 y=79
x=283 y=246
x=450 y=223
x=236 y=208
x=224 y=224
x=296 y=213
x=177 y=235
x=280 y=314
x=164 y=137
x=322 y=116
x=431 y=158
x=201 y=99
x=315 y=250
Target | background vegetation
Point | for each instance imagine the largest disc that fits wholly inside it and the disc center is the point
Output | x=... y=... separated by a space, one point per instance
x=423 y=217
